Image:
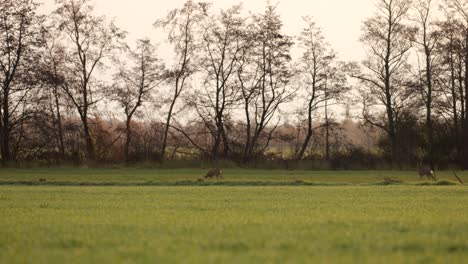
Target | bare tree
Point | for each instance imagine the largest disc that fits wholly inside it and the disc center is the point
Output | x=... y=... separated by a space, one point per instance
x=51 y=69
x=389 y=41
x=249 y=76
x=20 y=34
x=222 y=44
x=134 y=83
x=319 y=76
x=427 y=39
x=90 y=41
x=182 y=26
x=450 y=49
x=336 y=86
x=264 y=76
x=461 y=8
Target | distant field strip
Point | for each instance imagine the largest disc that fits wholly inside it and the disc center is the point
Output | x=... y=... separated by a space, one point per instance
x=366 y=224
x=232 y=177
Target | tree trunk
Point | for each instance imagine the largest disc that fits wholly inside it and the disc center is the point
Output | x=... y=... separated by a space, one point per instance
x=309 y=134
x=465 y=135
x=90 y=153
x=248 y=132
x=166 y=129
x=216 y=142
x=392 y=133
x=454 y=106
x=5 y=136
x=59 y=123
x=394 y=156
x=128 y=132
x=327 y=133
x=226 y=143
x=461 y=139
x=254 y=141
x=388 y=99
x=218 y=124
x=391 y=126
x=429 y=126
x=305 y=145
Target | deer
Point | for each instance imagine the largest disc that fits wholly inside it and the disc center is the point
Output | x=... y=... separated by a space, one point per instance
x=426 y=171
x=214 y=173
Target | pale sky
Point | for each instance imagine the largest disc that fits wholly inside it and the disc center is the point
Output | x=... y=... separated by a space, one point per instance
x=341 y=20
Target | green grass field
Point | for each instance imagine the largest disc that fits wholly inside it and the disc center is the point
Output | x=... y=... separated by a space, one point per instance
x=352 y=223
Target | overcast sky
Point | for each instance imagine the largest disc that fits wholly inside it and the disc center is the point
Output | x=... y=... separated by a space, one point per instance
x=341 y=20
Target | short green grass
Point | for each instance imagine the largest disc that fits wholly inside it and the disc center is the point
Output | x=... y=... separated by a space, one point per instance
x=341 y=224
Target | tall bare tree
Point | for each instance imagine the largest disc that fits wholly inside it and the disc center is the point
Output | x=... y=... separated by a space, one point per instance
x=461 y=8
x=450 y=49
x=89 y=41
x=20 y=35
x=51 y=69
x=264 y=75
x=183 y=27
x=427 y=40
x=319 y=75
x=222 y=45
x=388 y=39
x=134 y=84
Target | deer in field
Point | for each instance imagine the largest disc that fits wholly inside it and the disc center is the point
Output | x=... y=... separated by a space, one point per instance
x=426 y=171
x=214 y=173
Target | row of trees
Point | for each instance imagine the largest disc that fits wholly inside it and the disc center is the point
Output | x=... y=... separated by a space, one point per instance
x=418 y=60
x=73 y=89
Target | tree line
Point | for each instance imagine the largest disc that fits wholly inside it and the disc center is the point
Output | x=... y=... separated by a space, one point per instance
x=74 y=90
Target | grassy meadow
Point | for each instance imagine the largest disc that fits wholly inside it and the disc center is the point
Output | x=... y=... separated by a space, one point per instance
x=352 y=222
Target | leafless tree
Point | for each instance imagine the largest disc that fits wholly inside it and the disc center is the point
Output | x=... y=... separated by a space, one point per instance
x=183 y=28
x=51 y=69
x=427 y=40
x=264 y=75
x=451 y=79
x=89 y=41
x=461 y=8
x=388 y=39
x=20 y=35
x=139 y=73
x=222 y=45
x=319 y=75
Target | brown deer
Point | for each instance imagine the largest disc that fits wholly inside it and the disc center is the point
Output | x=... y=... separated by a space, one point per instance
x=426 y=171
x=214 y=173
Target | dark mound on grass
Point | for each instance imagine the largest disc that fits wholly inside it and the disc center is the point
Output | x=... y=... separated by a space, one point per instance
x=202 y=183
x=438 y=183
